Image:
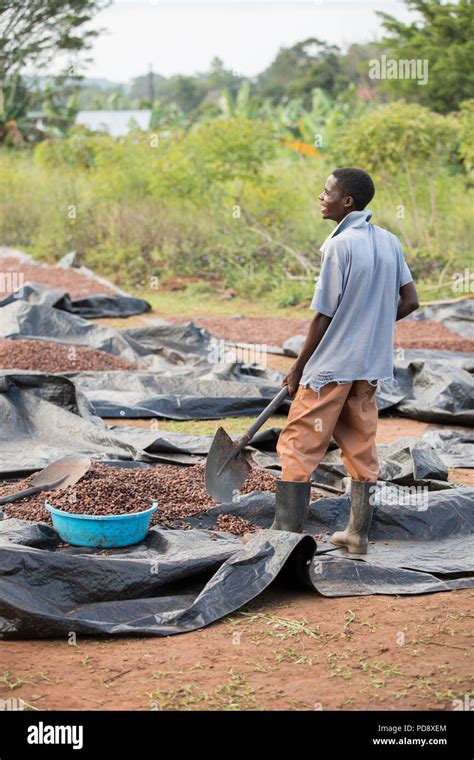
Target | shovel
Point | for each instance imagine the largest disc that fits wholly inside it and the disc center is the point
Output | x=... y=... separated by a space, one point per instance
x=226 y=468
x=60 y=474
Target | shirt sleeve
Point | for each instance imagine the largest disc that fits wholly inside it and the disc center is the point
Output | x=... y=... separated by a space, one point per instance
x=405 y=276
x=328 y=292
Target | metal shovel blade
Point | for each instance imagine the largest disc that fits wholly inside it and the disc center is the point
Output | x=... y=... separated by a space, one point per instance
x=223 y=484
x=60 y=474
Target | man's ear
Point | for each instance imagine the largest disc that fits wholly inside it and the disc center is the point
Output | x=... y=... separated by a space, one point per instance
x=349 y=202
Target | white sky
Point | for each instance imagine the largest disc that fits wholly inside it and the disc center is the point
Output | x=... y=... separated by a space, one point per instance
x=182 y=36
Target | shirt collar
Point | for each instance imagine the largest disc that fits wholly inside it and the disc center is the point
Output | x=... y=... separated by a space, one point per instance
x=354 y=219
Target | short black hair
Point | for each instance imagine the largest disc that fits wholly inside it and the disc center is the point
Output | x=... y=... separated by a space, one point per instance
x=356 y=183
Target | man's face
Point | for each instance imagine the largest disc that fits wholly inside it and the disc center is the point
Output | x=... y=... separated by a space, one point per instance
x=334 y=204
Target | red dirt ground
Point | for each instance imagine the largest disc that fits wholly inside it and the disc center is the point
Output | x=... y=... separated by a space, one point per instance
x=286 y=650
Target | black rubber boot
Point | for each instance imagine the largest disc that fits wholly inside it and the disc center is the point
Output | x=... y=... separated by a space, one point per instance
x=355 y=537
x=292 y=505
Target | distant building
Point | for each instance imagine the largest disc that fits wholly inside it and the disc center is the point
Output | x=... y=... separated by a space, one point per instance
x=116 y=123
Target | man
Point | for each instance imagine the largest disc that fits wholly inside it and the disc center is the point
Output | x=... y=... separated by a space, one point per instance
x=364 y=287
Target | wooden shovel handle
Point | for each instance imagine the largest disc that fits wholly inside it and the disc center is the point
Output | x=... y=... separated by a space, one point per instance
x=262 y=417
x=20 y=494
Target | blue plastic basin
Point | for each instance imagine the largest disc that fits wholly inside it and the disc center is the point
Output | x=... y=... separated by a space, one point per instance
x=101 y=531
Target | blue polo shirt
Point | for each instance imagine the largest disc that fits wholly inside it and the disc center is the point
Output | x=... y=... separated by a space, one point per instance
x=362 y=272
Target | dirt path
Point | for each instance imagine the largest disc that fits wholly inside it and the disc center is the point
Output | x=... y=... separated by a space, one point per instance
x=286 y=650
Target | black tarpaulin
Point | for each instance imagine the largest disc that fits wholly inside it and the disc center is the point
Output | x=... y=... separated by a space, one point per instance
x=164 y=442
x=99 y=306
x=432 y=386
x=408 y=461
x=173 y=396
x=92 y=307
x=180 y=580
x=455 y=449
x=23 y=320
x=179 y=349
x=337 y=577
x=406 y=356
x=20 y=319
x=421 y=390
x=173 y=582
x=440 y=393
x=457 y=316
x=45 y=417
x=159 y=441
x=420 y=541
x=400 y=515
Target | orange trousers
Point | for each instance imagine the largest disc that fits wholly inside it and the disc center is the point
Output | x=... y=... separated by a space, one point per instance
x=346 y=412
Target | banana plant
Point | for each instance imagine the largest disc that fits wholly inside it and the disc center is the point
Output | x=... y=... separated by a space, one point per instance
x=15 y=99
x=168 y=116
x=115 y=101
x=312 y=123
x=62 y=115
x=243 y=105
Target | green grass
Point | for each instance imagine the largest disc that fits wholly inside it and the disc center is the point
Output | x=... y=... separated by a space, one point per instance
x=190 y=304
x=233 y=695
x=232 y=425
x=138 y=221
x=10 y=681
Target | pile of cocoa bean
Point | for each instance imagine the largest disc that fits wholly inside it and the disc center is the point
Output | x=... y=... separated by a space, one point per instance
x=105 y=490
x=46 y=356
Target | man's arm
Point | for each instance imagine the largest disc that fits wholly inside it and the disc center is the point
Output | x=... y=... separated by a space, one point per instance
x=319 y=325
x=408 y=300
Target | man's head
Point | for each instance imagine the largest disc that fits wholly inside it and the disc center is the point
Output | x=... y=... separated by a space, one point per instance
x=346 y=190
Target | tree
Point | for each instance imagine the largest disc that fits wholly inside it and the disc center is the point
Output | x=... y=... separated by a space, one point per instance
x=218 y=77
x=444 y=36
x=15 y=96
x=140 y=88
x=32 y=32
x=186 y=91
x=297 y=70
x=197 y=164
x=396 y=136
x=404 y=146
